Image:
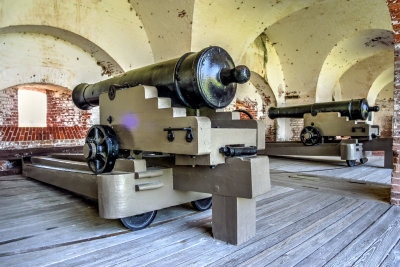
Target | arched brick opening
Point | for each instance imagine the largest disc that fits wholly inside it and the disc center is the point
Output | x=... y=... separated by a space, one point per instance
x=62 y=120
x=66 y=125
x=394 y=9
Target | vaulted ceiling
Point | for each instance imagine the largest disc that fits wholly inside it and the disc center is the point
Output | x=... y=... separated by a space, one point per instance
x=306 y=51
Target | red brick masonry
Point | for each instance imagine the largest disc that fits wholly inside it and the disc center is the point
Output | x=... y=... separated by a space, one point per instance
x=66 y=124
x=394 y=9
x=14 y=134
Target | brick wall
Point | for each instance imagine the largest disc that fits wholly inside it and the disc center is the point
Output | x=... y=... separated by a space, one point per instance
x=296 y=126
x=394 y=8
x=66 y=124
x=252 y=107
x=248 y=105
x=384 y=117
x=8 y=107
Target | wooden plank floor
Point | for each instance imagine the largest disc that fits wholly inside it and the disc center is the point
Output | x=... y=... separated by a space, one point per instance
x=42 y=225
x=372 y=171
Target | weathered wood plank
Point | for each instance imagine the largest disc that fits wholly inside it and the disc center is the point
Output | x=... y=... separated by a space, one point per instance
x=28 y=217
x=333 y=247
x=373 y=171
x=285 y=203
x=377 y=252
x=278 y=197
x=393 y=259
x=308 y=228
x=268 y=241
x=275 y=190
x=57 y=231
x=162 y=248
x=28 y=205
x=28 y=152
x=269 y=229
x=352 y=252
x=110 y=249
x=90 y=258
x=345 y=187
x=203 y=255
x=292 y=250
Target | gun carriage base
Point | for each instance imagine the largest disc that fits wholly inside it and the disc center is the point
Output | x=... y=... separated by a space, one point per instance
x=193 y=170
x=324 y=122
x=209 y=152
x=334 y=149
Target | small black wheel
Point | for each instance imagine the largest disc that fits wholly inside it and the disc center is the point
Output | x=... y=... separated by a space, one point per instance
x=101 y=148
x=351 y=163
x=139 y=221
x=202 y=204
x=310 y=136
x=363 y=160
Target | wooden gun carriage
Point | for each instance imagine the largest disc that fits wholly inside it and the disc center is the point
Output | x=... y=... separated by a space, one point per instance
x=333 y=129
x=163 y=140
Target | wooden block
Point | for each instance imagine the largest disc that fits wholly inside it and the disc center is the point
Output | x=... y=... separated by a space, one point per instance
x=381 y=144
x=149 y=186
x=238 y=177
x=148 y=174
x=332 y=124
x=139 y=120
x=80 y=182
x=260 y=135
x=220 y=137
x=130 y=165
x=219 y=114
x=298 y=148
x=232 y=120
x=233 y=219
x=121 y=195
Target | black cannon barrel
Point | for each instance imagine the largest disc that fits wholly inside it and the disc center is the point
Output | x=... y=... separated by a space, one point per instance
x=204 y=79
x=355 y=109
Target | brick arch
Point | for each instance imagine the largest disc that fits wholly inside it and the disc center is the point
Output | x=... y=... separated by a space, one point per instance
x=118 y=24
x=347 y=53
x=42 y=61
x=62 y=120
x=104 y=59
x=380 y=82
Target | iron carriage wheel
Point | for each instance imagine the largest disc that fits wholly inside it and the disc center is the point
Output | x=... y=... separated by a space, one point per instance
x=101 y=148
x=202 y=204
x=139 y=221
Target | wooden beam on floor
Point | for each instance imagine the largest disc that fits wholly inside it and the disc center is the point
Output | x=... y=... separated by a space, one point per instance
x=344 y=187
x=13 y=154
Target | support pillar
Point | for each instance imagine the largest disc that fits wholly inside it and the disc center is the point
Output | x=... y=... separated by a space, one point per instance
x=233 y=219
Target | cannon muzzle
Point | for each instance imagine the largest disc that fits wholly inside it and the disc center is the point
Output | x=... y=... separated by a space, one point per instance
x=355 y=109
x=204 y=79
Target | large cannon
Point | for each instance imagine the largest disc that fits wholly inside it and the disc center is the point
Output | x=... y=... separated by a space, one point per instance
x=204 y=79
x=323 y=122
x=163 y=140
x=331 y=122
x=355 y=109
